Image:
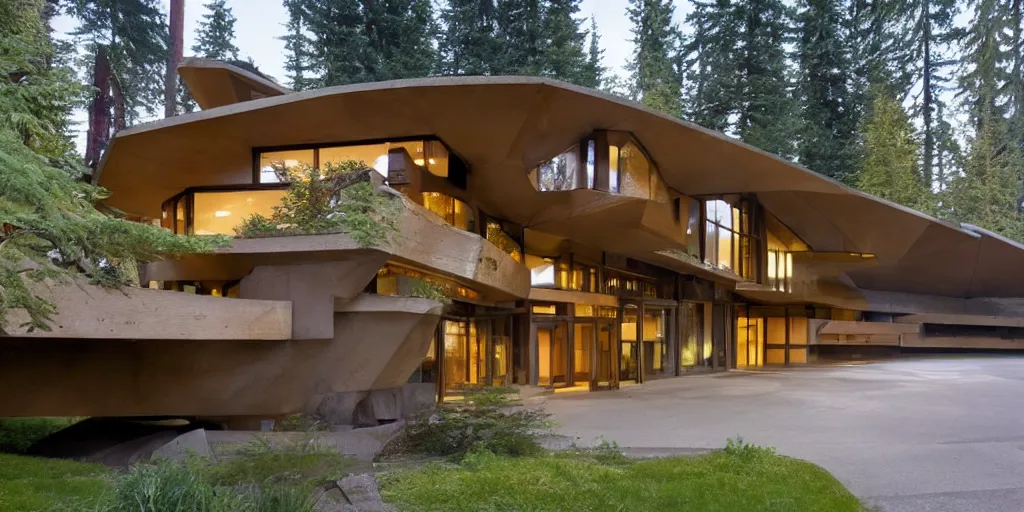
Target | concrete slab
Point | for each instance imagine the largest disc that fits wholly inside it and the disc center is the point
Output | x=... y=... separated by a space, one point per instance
x=932 y=434
x=192 y=442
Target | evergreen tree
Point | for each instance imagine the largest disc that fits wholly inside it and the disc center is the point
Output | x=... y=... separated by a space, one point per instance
x=929 y=30
x=341 y=50
x=127 y=43
x=711 y=61
x=889 y=167
x=519 y=29
x=768 y=117
x=564 y=54
x=829 y=113
x=653 y=78
x=400 y=35
x=985 y=58
x=468 y=45
x=986 y=193
x=52 y=231
x=595 y=71
x=216 y=34
x=297 y=46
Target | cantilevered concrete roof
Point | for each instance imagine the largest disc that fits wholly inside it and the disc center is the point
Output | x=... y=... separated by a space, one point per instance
x=214 y=83
x=503 y=126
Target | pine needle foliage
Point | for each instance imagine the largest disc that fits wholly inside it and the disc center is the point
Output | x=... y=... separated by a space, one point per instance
x=339 y=198
x=50 y=231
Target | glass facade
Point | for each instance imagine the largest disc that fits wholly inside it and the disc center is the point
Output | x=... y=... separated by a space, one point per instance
x=497 y=236
x=731 y=239
x=451 y=210
x=429 y=154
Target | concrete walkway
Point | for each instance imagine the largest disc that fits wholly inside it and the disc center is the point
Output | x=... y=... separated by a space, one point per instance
x=935 y=435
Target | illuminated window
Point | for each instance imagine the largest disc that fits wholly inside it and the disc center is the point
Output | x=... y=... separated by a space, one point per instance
x=730 y=241
x=545 y=309
x=451 y=210
x=501 y=240
x=634 y=172
x=275 y=165
x=585 y=310
x=781 y=244
x=686 y=212
x=401 y=281
x=220 y=212
x=559 y=173
x=432 y=155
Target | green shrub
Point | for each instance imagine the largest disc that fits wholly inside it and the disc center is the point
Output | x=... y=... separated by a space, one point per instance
x=18 y=434
x=429 y=290
x=737 y=447
x=337 y=198
x=488 y=419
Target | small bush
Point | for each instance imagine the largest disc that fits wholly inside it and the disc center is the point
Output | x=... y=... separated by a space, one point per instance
x=739 y=448
x=428 y=290
x=335 y=198
x=488 y=419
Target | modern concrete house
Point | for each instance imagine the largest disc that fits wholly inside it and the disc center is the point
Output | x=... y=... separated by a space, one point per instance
x=586 y=243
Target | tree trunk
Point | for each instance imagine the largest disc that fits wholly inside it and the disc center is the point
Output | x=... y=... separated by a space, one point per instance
x=929 y=100
x=99 y=110
x=177 y=42
x=118 y=97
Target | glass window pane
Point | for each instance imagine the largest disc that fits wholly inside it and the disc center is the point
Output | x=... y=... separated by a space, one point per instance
x=221 y=212
x=440 y=204
x=725 y=238
x=710 y=243
x=274 y=165
x=464 y=218
x=436 y=156
x=635 y=172
x=371 y=155
x=584 y=310
x=542 y=271
x=559 y=173
x=501 y=240
x=613 y=169
x=591 y=159
x=179 y=216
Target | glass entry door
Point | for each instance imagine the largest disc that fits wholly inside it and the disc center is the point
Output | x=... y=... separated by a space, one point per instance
x=583 y=339
x=553 y=357
x=629 y=357
x=605 y=374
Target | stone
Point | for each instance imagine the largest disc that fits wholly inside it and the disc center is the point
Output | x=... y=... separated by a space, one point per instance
x=362 y=492
x=339 y=408
x=193 y=442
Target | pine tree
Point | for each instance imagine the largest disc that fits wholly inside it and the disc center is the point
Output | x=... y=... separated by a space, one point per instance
x=468 y=45
x=986 y=194
x=889 y=167
x=768 y=117
x=519 y=30
x=400 y=35
x=653 y=79
x=297 y=46
x=830 y=115
x=595 y=71
x=564 y=54
x=216 y=34
x=712 y=63
x=985 y=58
x=127 y=42
x=928 y=27
x=52 y=232
x=341 y=50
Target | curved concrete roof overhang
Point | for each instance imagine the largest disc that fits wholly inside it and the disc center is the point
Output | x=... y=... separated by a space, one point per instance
x=503 y=126
x=215 y=84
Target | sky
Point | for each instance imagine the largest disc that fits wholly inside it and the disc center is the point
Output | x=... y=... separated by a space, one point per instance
x=261 y=23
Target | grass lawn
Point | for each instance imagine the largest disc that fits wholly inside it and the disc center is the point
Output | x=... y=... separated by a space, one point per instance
x=29 y=484
x=744 y=481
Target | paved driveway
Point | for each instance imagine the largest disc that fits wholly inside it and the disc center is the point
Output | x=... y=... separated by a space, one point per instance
x=909 y=435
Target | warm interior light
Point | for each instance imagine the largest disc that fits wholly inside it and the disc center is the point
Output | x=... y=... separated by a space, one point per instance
x=419 y=161
x=221 y=213
x=432 y=162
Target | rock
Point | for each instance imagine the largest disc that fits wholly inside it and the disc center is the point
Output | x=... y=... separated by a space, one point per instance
x=191 y=442
x=362 y=492
x=330 y=500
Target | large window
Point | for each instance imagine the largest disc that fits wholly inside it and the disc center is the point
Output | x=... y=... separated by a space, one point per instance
x=563 y=273
x=781 y=244
x=730 y=237
x=453 y=211
x=432 y=155
x=686 y=213
x=401 y=281
x=220 y=212
x=497 y=236
x=609 y=161
x=559 y=173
